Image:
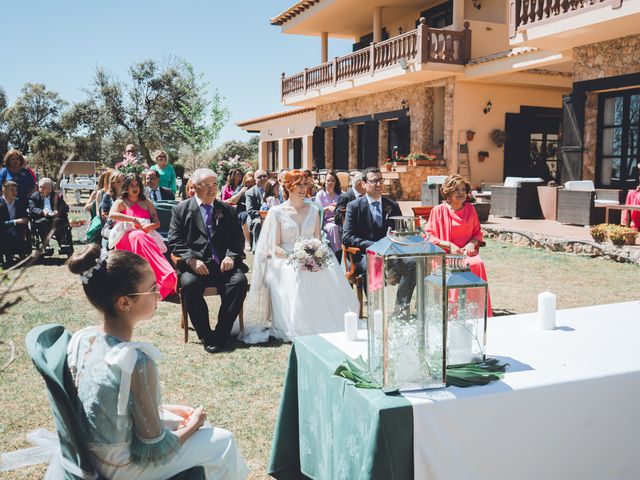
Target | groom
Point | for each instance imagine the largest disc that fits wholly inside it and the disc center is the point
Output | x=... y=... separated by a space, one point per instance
x=205 y=233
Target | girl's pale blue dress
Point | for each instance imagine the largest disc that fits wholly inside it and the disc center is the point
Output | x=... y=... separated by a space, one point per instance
x=119 y=389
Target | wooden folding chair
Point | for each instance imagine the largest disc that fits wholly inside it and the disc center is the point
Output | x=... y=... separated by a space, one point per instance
x=208 y=292
x=348 y=258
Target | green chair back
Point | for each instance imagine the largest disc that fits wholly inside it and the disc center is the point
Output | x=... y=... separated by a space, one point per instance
x=163 y=209
x=47 y=347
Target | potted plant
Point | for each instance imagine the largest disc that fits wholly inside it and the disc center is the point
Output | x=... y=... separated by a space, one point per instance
x=482 y=154
x=470 y=135
x=420 y=159
x=599 y=232
x=548 y=198
x=388 y=165
x=620 y=235
x=499 y=137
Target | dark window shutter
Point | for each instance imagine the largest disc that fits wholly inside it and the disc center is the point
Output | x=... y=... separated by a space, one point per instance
x=571 y=149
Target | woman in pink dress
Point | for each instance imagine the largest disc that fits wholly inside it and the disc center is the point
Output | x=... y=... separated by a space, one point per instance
x=234 y=179
x=633 y=198
x=328 y=198
x=454 y=226
x=134 y=208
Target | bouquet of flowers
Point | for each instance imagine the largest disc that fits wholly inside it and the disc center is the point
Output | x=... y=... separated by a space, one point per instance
x=131 y=166
x=223 y=167
x=310 y=255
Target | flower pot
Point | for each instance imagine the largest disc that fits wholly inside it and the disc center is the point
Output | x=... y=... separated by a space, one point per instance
x=630 y=238
x=388 y=166
x=548 y=198
x=470 y=135
x=481 y=157
x=482 y=209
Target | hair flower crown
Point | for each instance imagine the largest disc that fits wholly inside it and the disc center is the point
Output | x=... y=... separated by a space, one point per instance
x=87 y=274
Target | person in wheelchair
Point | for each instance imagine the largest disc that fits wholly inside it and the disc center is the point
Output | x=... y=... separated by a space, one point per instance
x=14 y=235
x=48 y=211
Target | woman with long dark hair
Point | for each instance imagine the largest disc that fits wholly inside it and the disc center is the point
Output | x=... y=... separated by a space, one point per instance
x=328 y=198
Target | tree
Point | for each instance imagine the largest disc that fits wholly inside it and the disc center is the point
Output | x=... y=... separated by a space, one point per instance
x=247 y=151
x=36 y=109
x=50 y=149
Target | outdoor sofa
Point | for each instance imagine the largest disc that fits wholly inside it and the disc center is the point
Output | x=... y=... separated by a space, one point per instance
x=580 y=203
x=516 y=198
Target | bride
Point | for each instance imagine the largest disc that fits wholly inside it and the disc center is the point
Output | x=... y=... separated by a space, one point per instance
x=296 y=303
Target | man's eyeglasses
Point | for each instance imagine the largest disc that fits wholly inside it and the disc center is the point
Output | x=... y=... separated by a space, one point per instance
x=208 y=186
x=259 y=177
x=374 y=181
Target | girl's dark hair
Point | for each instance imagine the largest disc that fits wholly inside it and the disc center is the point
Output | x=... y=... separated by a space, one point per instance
x=270 y=188
x=128 y=178
x=117 y=276
x=231 y=177
x=337 y=188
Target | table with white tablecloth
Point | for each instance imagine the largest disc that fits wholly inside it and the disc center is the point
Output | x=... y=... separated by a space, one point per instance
x=567 y=408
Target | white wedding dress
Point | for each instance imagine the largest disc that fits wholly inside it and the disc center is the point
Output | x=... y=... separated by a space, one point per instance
x=287 y=304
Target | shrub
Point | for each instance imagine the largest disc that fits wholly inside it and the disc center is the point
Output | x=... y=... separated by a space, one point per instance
x=599 y=232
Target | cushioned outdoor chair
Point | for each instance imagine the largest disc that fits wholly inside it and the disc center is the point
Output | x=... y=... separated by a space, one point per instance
x=47 y=347
x=517 y=198
x=164 y=209
x=580 y=203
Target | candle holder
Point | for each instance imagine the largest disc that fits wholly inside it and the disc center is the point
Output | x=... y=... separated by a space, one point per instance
x=407 y=331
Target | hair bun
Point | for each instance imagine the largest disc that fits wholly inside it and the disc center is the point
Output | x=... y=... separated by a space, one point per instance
x=82 y=261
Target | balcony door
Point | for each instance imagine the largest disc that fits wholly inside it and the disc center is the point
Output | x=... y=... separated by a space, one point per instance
x=399 y=138
x=618 y=124
x=368 y=145
x=341 y=147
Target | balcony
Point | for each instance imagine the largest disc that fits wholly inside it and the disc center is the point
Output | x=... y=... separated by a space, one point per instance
x=409 y=52
x=565 y=24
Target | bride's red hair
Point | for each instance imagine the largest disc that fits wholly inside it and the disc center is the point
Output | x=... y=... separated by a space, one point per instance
x=291 y=179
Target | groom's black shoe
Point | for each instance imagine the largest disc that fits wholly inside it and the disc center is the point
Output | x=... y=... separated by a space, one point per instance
x=213 y=348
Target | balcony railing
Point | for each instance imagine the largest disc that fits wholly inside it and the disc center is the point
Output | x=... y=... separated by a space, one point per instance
x=532 y=13
x=421 y=45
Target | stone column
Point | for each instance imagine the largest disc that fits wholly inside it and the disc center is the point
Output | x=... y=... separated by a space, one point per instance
x=353 y=147
x=421 y=125
x=590 y=137
x=383 y=134
x=307 y=152
x=377 y=24
x=283 y=154
x=458 y=14
x=449 y=139
x=328 y=148
x=324 y=47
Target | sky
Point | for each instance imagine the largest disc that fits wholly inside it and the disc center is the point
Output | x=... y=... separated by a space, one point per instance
x=61 y=43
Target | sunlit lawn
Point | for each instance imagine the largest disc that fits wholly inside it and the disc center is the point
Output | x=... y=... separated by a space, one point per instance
x=241 y=389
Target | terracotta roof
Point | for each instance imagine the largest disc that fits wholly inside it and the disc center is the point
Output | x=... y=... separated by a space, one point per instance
x=273 y=116
x=514 y=52
x=293 y=11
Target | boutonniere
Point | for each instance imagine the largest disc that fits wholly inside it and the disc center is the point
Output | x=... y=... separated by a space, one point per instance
x=387 y=211
x=218 y=214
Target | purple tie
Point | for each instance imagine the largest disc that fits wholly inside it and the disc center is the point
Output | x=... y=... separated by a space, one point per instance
x=208 y=224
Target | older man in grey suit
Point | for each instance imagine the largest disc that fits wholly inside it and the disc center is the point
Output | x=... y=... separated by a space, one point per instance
x=254 y=197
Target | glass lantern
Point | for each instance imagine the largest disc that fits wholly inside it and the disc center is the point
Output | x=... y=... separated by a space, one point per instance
x=467 y=296
x=406 y=327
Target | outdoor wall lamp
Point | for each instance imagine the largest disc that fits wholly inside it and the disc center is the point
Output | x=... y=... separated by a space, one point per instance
x=404 y=104
x=340 y=117
x=487 y=107
x=477 y=5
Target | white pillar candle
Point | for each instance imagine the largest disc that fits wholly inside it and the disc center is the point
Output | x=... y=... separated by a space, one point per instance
x=460 y=343
x=351 y=326
x=377 y=322
x=547 y=310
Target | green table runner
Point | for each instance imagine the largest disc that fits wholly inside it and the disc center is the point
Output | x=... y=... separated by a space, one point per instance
x=328 y=429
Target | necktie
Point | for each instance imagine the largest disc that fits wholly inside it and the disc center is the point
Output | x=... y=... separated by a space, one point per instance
x=376 y=213
x=155 y=196
x=208 y=225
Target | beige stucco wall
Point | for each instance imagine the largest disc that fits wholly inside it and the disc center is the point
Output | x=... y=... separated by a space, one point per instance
x=607 y=59
x=470 y=100
x=293 y=126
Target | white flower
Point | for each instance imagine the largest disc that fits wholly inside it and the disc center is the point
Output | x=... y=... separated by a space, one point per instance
x=300 y=254
x=318 y=253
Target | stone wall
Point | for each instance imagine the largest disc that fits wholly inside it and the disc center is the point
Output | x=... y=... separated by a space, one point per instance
x=590 y=137
x=408 y=184
x=607 y=59
x=419 y=99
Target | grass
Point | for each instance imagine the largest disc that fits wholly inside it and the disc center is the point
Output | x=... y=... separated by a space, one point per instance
x=241 y=389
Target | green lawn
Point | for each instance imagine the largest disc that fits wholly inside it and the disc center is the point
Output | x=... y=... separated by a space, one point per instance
x=241 y=389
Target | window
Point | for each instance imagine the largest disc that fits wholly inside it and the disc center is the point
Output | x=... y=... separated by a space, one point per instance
x=272 y=156
x=543 y=156
x=618 y=125
x=398 y=138
x=440 y=16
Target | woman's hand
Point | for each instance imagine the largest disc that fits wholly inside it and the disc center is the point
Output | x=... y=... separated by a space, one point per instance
x=454 y=249
x=470 y=249
x=136 y=223
x=196 y=419
x=148 y=227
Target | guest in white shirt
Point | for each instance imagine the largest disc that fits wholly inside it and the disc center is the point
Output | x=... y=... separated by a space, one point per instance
x=153 y=190
x=49 y=211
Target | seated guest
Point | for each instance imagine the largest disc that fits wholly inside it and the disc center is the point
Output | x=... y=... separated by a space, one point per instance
x=356 y=190
x=205 y=233
x=368 y=218
x=153 y=190
x=190 y=190
x=93 y=204
x=454 y=226
x=13 y=224
x=14 y=170
x=233 y=184
x=239 y=199
x=137 y=232
x=48 y=211
x=165 y=170
x=281 y=176
x=271 y=195
x=312 y=186
x=130 y=434
x=254 y=198
x=328 y=198
x=112 y=194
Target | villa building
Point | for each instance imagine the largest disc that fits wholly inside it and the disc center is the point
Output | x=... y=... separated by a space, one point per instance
x=487 y=88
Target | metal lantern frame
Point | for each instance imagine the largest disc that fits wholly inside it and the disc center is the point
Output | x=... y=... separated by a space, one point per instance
x=403 y=243
x=460 y=278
